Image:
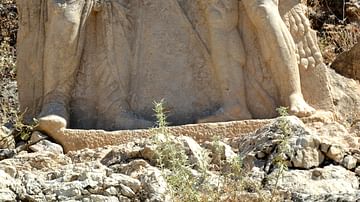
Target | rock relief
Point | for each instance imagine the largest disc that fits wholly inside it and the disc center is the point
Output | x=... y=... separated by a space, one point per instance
x=101 y=64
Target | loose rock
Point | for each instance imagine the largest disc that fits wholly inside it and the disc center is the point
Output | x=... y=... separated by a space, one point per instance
x=349 y=162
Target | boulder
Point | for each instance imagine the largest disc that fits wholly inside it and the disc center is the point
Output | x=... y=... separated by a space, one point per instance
x=300 y=147
x=347 y=63
x=319 y=184
x=349 y=162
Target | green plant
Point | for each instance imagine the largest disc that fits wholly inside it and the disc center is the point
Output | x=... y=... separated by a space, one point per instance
x=185 y=185
x=160 y=115
x=23 y=130
x=232 y=178
x=172 y=157
x=231 y=172
x=279 y=160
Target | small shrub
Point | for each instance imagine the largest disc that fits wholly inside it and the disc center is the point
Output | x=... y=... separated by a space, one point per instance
x=174 y=162
x=23 y=131
x=282 y=149
x=232 y=180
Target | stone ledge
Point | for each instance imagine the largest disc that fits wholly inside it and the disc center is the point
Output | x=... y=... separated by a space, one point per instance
x=75 y=139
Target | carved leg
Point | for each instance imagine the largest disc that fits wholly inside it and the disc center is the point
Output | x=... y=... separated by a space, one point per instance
x=113 y=105
x=63 y=48
x=228 y=59
x=278 y=48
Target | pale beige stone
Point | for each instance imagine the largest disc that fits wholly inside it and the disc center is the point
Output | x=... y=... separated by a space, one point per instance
x=198 y=49
x=347 y=63
x=102 y=64
x=349 y=162
x=75 y=139
x=336 y=153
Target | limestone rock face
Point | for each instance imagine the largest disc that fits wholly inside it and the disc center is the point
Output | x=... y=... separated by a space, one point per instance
x=318 y=169
x=320 y=158
x=346 y=97
x=41 y=144
x=130 y=172
x=302 y=147
x=102 y=64
x=44 y=176
x=322 y=183
x=347 y=63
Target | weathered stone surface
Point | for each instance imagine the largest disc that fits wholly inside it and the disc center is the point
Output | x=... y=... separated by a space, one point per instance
x=134 y=53
x=46 y=145
x=10 y=188
x=128 y=173
x=346 y=95
x=306 y=146
x=302 y=146
x=330 y=180
x=7 y=195
x=347 y=63
x=44 y=176
x=220 y=152
x=325 y=197
x=308 y=158
x=166 y=46
x=197 y=155
x=126 y=191
x=125 y=180
x=335 y=133
x=336 y=153
x=100 y=198
x=357 y=170
x=72 y=139
x=349 y=162
x=37 y=136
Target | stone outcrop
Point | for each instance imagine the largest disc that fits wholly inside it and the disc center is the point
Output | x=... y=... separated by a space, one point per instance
x=347 y=63
x=346 y=97
x=102 y=67
x=320 y=168
x=306 y=146
x=330 y=183
x=75 y=139
x=136 y=52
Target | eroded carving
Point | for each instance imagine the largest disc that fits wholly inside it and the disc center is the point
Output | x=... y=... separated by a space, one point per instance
x=101 y=64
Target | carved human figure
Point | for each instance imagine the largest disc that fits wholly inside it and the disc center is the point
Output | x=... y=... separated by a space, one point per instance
x=94 y=35
x=228 y=56
x=66 y=30
x=275 y=37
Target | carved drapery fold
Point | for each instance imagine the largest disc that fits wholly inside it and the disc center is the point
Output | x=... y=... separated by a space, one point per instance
x=148 y=50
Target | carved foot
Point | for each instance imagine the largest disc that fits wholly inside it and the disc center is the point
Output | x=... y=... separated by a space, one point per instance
x=52 y=125
x=53 y=119
x=299 y=107
x=227 y=114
